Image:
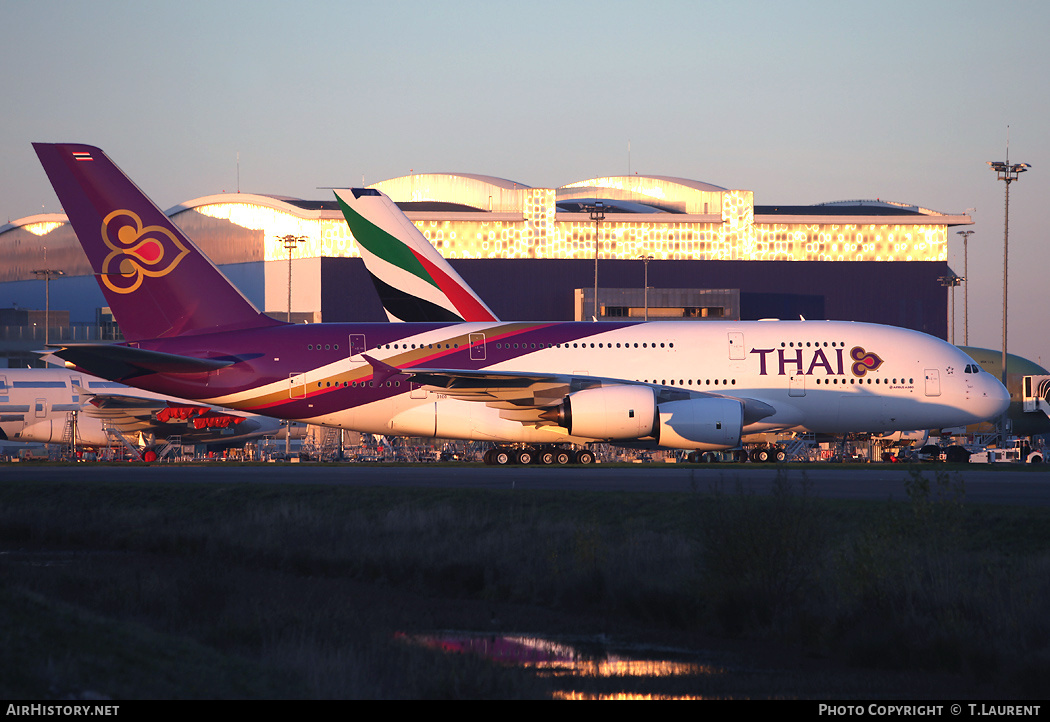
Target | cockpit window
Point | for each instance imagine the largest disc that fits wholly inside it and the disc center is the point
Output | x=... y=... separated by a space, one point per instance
x=972 y=369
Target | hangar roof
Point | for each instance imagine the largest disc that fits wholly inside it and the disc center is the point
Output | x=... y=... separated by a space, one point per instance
x=848 y=208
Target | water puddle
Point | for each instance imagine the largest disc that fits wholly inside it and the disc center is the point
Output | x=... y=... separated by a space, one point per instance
x=586 y=667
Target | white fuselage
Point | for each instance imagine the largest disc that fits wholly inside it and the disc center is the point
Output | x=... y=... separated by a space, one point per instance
x=36 y=406
x=821 y=376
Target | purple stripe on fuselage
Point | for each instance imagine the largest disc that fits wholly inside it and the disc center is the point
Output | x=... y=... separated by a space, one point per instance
x=286 y=350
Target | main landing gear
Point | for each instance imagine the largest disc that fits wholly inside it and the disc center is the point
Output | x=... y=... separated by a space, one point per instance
x=760 y=455
x=543 y=455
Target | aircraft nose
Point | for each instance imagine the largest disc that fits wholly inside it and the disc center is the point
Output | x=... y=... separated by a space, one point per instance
x=995 y=397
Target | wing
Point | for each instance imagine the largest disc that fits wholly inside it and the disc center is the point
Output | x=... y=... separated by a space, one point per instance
x=163 y=418
x=534 y=398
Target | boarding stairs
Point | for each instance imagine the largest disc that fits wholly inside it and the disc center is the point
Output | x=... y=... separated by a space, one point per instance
x=117 y=438
x=1036 y=395
x=321 y=443
x=69 y=436
x=172 y=447
x=798 y=448
x=330 y=444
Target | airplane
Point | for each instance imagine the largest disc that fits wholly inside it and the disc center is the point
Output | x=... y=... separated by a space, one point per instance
x=661 y=384
x=403 y=240
x=35 y=405
x=1021 y=423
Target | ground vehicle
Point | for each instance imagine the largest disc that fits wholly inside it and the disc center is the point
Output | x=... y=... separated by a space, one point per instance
x=33 y=453
x=1017 y=451
x=930 y=452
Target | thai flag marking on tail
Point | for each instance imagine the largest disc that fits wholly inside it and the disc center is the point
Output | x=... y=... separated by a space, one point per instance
x=79 y=155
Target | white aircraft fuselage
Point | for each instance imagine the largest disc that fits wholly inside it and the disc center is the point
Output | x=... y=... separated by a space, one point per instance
x=493 y=381
x=35 y=407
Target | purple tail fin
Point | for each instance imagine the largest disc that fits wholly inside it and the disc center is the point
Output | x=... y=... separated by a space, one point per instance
x=156 y=281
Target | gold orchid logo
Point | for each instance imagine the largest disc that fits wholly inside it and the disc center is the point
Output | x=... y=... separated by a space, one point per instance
x=864 y=361
x=137 y=252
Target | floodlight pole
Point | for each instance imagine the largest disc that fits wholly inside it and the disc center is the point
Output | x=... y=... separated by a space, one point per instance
x=597 y=215
x=645 y=260
x=46 y=274
x=290 y=242
x=1008 y=174
x=952 y=281
x=966 y=290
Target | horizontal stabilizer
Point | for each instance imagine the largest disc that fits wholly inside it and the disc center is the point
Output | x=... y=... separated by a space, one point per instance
x=123 y=362
x=381 y=371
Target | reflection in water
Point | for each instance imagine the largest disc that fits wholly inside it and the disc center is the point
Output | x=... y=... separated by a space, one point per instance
x=583 y=660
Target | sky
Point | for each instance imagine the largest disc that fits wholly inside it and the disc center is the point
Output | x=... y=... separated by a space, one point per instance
x=800 y=102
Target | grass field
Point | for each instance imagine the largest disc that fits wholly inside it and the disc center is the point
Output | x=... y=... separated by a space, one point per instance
x=144 y=590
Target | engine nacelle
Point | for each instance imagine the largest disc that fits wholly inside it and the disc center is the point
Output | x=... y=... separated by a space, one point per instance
x=703 y=424
x=608 y=412
x=45 y=431
x=39 y=432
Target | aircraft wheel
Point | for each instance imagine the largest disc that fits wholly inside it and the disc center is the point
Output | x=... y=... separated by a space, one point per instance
x=546 y=458
x=562 y=458
x=708 y=458
x=695 y=457
x=487 y=457
x=740 y=456
x=584 y=457
x=524 y=457
x=501 y=457
x=780 y=456
x=760 y=455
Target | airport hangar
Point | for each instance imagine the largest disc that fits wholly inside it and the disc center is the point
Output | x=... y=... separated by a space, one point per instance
x=529 y=253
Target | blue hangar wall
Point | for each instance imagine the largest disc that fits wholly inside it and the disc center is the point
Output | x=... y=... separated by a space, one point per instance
x=906 y=294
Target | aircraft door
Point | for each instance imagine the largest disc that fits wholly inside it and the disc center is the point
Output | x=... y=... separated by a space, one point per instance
x=477 y=346
x=797 y=385
x=357 y=346
x=40 y=408
x=736 y=346
x=933 y=382
x=297 y=386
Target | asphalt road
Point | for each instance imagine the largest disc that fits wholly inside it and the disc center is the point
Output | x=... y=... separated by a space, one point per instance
x=983 y=485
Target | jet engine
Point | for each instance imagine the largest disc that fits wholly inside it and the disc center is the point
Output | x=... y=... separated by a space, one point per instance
x=703 y=424
x=621 y=413
x=607 y=412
